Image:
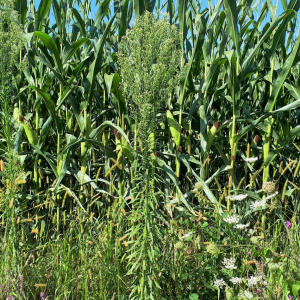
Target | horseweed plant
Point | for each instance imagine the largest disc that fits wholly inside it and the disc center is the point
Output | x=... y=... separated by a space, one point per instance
x=149 y=59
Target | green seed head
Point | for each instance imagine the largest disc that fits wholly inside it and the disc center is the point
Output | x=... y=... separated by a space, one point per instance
x=198 y=186
x=229 y=293
x=255 y=240
x=213 y=249
x=268 y=187
x=179 y=245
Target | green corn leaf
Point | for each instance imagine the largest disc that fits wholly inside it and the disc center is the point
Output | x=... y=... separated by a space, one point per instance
x=96 y=65
x=203 y=129
x=76 y=111
x=208 y=192
x=232 y=17
x=279 y=81
x=42 y=12
x=80 y=22
x=138 y=7
x=254 y=123
x=73 y=48
x=85 y=179
x=182 y=7
x=46 y=157
x=266 y=35
x=198 y=46
x=123 y=24
x=271 y=156
x=105 y=124
x=18 y=139
x=108 y=151
x=216 y=13
x=213 y=73
x=102 y=12
x=294 y=4
x=51 y=46
x=217 y=173
x=174 y=128
x=292 y=134
x=57 y=15
x=45 y=61
x=51 y=108
x=73 y=195
x=21 y=8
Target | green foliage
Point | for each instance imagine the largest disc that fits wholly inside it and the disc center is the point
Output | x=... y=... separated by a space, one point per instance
x=136 y=141
x=12 y=42
x=148 y=60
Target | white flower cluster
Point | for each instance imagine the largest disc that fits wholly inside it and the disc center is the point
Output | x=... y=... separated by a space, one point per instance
x=253 y=280
x=241 y=226
x=274 y=266
x=271 y=196
x=237 y=197
x=257 y=204
x=219 y=283
x=234 y=219
x=236 y=280
x=229 y=263
x=247 y=295
x=250 y=159
x=186 y=235
x=250 y=232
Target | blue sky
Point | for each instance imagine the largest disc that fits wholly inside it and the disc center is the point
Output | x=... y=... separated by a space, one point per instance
x=204 y=4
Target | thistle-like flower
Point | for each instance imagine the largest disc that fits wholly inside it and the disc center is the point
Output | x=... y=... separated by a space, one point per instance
x=288 y=224
x=269 y=187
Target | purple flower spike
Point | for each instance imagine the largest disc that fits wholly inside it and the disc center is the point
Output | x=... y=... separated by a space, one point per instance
x=249 y=253
x=42 y=295
x=257 y=291
x=288 y=224
x=290 y=297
